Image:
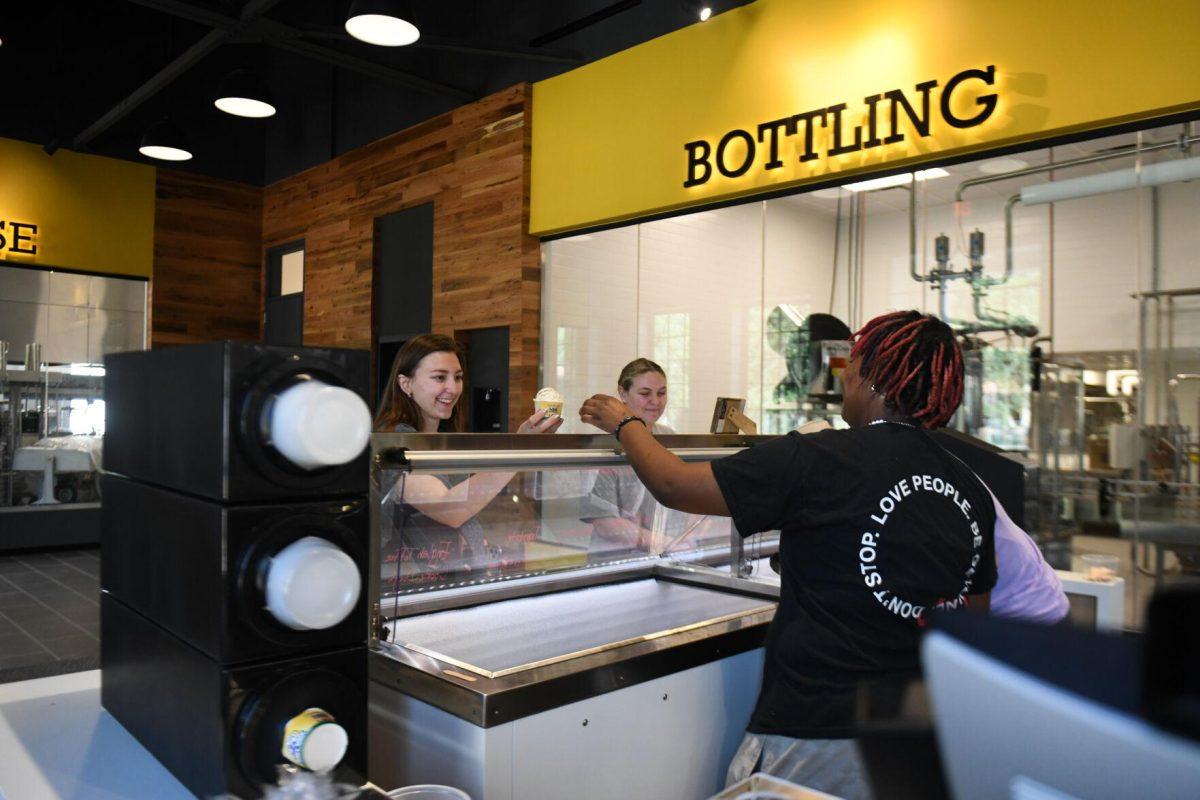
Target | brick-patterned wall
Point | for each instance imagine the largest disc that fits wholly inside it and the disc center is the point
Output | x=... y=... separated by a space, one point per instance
x=207 y=260
x=473 y=164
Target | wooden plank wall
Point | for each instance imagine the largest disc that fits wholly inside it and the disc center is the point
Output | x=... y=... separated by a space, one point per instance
x=207 y=260
x=473 y=164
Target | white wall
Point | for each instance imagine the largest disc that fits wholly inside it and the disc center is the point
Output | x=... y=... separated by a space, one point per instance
x=725 y=269
x=718 y=269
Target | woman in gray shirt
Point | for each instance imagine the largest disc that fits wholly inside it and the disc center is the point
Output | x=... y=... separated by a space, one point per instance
x=435 y=521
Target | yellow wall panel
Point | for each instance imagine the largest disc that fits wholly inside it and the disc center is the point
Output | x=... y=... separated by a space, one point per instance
x=608 y=138
x=92 y=213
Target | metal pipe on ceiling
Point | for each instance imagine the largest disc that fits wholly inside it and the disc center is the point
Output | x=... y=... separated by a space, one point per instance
x=294 y=44
x=250 y=22
x=210 y=42
x=588 y=21
x=1183 y=143
x=427 y=42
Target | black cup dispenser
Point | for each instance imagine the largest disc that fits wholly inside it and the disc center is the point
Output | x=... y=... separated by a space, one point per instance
x=234 y=560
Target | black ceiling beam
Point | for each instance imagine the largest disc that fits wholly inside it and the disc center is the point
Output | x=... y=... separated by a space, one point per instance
x=285 y=37
x=584 y=22
x=293 y=43
x=462 y=46
x=210 y=42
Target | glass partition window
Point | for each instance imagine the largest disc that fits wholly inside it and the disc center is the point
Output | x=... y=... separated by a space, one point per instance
x=51 y=431
x=1053 y=264
x=443 y=529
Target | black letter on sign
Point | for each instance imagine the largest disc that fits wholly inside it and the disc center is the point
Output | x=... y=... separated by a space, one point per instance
x=3 y=243
x=873 y=139
x=698 y=153
x=18 y=237
x=920 y=123
x=772 y=127
x=808 y=117
x=736 y=133
x=988 y=101
x=838 y=148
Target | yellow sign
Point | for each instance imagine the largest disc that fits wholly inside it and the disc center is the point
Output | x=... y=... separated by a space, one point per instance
x=19 y=238
x=778 y=94
x=75 y=211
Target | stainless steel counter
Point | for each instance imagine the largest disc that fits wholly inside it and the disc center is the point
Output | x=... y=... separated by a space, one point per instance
x=513 y=636
x=505 y=660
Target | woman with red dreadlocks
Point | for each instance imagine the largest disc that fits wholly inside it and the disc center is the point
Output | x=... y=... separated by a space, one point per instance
x=879 y=525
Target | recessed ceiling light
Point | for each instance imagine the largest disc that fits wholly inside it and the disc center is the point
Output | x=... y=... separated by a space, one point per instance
x=243 y=94
x=165 y=141
x=387 y=23
x=903 y=179
x=999 y=166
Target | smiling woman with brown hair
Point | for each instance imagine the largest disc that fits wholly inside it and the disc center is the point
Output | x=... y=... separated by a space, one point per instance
x=878 y=526
x=422 y=396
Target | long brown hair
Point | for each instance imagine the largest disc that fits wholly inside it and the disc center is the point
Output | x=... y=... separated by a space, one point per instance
x=396 y=407
x=639 y=366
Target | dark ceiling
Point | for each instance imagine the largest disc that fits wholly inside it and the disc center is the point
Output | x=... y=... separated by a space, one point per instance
x=67 y=64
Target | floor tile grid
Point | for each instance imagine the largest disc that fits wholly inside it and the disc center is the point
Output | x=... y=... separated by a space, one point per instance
x=33 y=630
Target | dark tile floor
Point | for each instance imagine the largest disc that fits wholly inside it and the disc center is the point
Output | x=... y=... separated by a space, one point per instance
x=49 y=612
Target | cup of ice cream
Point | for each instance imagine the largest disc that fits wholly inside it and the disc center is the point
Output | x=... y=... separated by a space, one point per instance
x=314 y=741
x=549 y=401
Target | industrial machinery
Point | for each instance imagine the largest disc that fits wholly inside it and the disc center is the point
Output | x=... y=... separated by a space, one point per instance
x=815 y=349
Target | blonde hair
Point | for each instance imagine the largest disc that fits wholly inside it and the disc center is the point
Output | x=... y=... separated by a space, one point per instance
x=639 y=366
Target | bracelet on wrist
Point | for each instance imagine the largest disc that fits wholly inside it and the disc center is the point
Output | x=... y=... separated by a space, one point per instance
x=624 y=422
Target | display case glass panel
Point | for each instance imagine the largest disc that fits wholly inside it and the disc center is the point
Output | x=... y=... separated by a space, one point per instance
x=460 y=517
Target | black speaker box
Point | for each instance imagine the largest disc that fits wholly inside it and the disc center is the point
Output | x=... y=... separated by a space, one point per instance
x=189 y=418
x=220 y=729
x=197 y=568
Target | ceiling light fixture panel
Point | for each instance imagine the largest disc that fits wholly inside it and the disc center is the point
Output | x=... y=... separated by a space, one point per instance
x=1000 y=166
x=903 y=179
x=387 y=23
x=696 y=9
x=243 y=94
x=164 y=141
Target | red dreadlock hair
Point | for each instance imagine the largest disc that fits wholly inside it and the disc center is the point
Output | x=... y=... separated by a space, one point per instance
x=913 y=360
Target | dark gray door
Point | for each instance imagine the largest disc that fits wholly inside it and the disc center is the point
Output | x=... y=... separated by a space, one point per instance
x=283 y=314
x=403 y=283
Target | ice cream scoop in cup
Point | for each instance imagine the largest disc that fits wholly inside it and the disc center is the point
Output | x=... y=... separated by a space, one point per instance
x=549 y=402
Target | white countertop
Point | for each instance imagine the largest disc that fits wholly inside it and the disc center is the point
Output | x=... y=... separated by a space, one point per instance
x=57 y=742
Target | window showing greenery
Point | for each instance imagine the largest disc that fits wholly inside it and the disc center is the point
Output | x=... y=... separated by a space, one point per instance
x=672 y=346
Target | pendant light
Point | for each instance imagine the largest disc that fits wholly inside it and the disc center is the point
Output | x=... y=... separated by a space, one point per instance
x=388 y=23
x=165 y=141
x=243 y=94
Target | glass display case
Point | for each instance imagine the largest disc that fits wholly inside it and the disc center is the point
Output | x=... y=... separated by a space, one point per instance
x=525 y=582
x=450 y=519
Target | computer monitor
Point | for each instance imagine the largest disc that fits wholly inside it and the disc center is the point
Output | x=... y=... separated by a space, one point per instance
x=1005 y=734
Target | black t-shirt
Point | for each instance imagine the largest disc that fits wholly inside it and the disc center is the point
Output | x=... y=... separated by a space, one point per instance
x=878 y=525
